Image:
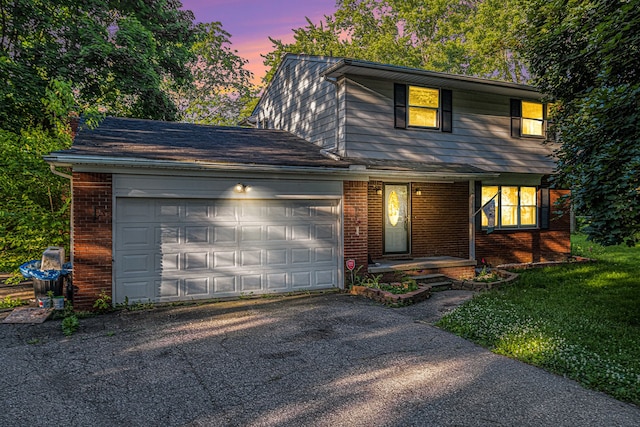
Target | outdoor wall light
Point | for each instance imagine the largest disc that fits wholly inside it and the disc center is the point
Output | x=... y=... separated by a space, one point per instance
x=378 y=191
x=241 y=188
x=418 y=192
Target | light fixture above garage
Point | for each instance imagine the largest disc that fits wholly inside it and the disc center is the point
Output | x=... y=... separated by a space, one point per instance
x=241 y=188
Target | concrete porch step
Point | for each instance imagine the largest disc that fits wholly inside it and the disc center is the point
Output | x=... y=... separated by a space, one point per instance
x=440 y=286
x=429 y=278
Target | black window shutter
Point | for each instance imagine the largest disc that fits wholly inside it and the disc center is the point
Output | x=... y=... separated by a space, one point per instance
x=516 y=114
x=545 y=208
x=400 y=105
x=478 y=205
x=447 y=108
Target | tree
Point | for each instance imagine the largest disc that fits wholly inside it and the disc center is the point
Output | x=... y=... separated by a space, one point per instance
x=116 y=54
x=585 y=56
x=221 y=88
x=478 y=38
x=70 y=57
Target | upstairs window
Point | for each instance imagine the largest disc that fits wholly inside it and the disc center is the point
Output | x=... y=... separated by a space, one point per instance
x=532 y=118
x=527 y=118
x=424 y=104
x=422 y=107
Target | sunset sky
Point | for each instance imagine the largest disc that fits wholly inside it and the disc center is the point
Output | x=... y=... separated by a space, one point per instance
x=252 y=22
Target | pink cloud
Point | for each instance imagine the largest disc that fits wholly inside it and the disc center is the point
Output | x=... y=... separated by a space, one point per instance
x=252 y=22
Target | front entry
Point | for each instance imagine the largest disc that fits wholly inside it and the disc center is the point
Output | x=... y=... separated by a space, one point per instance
x=396 y=218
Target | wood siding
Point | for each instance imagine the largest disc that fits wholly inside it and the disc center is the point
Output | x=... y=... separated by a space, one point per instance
x=481 y=132
x=300 y=101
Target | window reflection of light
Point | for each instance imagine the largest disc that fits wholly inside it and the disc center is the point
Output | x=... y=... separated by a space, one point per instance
x=393 y=208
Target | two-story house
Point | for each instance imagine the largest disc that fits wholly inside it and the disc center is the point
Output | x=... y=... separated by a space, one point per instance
x=351 y=163
x=436 y=148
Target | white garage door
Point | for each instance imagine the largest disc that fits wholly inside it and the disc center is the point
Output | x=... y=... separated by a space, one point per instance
x=177 y=249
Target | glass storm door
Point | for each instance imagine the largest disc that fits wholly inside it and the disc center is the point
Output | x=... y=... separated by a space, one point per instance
x=396 y=218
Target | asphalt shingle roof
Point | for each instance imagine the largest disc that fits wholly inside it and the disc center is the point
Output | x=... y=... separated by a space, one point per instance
x=184 y=142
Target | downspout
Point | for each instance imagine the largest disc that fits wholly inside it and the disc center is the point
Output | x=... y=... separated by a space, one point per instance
x=56 y=172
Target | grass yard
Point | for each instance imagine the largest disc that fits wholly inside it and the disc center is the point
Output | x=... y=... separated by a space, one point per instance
x=581 y=321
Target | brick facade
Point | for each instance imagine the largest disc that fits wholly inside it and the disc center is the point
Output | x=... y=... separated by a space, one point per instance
x=552 y=244
x=439 y=220
x=355 y=222
x=92 y=237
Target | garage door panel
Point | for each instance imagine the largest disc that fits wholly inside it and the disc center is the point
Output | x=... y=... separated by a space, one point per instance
x=196 y=260
x=196 y=234
x=224 y=284
x=301 y=232
x=251 y=282
x=325 y=278
x=277 y=281
x=324 y=254
x=224 y=259
x=168 y=287
x=136 y=263
x=136 y=237
x=276 y=257
x=325 y=232
x=167 y=211
x=224 y=234
x=300 y=256
x=250 y=258
x=251 y=233
x=197 y=286
x=276 y=233
x=167 y=235
x=301 y=279
x=212 y=248
x=167 y=262
x=196 y=210
x=136 y=289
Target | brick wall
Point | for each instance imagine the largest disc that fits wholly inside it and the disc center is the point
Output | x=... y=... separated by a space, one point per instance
x=355 y=222
x=92 y=237
x=552 y=244
x=375 y=215
x=439 y=220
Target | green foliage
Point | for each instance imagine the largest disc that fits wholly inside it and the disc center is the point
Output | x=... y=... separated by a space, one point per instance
x=222 y=92
x=584 y=55
x=63 y=59
x=472 y=38
x=103 y=302
x=578 y=320
x=115 y=53
x=70 y=324
x=34 y=203
x=8 y=302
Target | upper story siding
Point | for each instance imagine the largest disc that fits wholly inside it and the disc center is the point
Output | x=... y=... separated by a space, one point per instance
x=351 y=112
x=481 y=132
x=299 y=100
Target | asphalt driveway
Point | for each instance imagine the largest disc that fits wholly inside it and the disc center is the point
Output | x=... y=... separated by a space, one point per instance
x=327 y=360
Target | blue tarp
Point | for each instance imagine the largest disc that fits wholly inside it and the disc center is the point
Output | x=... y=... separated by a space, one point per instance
x=31 y=270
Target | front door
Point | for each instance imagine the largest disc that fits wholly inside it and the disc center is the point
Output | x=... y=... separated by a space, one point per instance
x=396 y=218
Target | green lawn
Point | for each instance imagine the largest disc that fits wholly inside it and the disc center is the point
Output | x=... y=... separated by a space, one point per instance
x=577 y=320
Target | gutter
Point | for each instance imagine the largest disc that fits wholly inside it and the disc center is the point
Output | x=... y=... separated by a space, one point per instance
x=352 y=171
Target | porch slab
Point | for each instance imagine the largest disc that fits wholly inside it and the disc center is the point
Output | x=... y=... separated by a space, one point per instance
x=427 y=263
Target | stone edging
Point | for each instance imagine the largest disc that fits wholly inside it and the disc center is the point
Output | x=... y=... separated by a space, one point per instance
x=507 y=277
x=422 y=293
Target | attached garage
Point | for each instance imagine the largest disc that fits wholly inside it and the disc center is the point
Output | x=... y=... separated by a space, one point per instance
x=178 y=249
x=168 y=212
